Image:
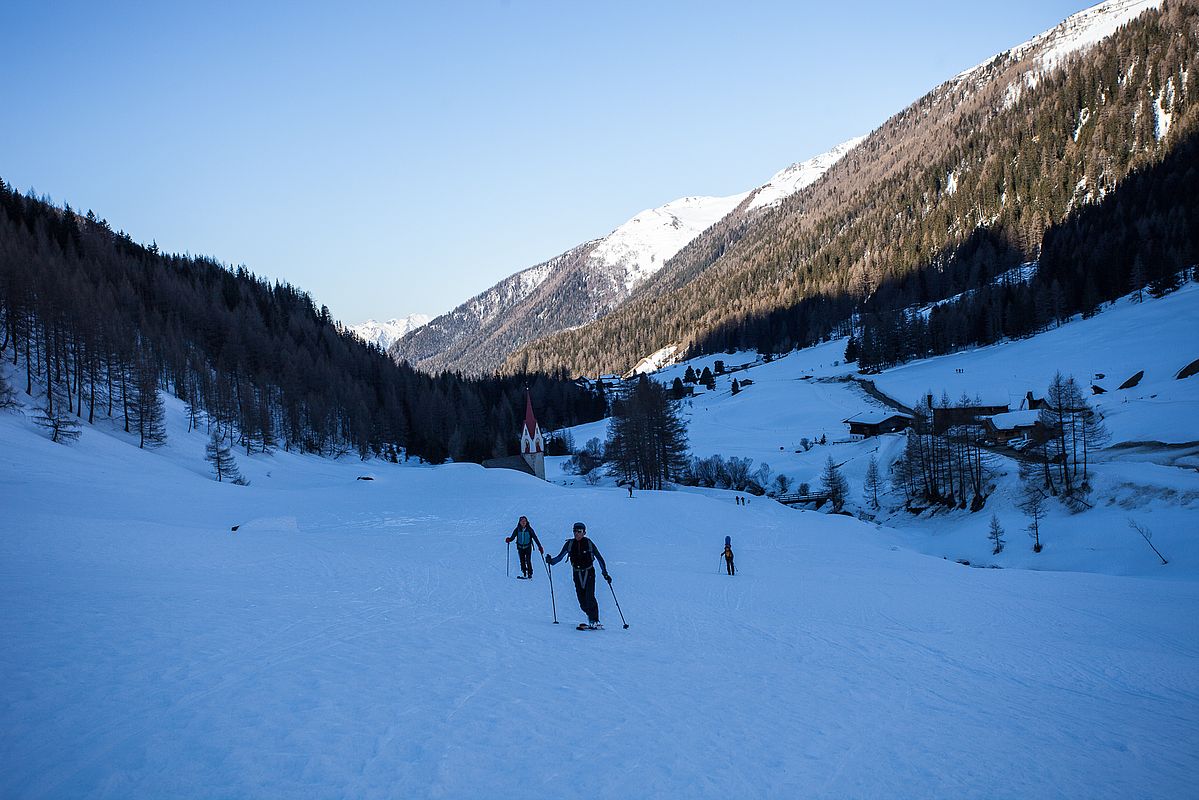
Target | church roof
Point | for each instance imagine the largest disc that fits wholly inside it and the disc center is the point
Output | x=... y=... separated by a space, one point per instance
x=530 y=420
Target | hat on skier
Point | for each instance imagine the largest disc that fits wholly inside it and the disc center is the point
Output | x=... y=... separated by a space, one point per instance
x=580 y=526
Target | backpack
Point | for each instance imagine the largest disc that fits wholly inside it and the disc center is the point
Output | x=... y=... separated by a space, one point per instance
x=580 y=553
x=523 y=538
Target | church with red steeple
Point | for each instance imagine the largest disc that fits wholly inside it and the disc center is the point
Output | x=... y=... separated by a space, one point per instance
x=532 y=446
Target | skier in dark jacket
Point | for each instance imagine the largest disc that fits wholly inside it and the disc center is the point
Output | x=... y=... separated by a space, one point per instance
x=525 y=538
x=583 y=554
x=728 y=557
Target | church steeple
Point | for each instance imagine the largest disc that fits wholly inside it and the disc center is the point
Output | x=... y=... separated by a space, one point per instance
x=532 y=446
x=530 y=434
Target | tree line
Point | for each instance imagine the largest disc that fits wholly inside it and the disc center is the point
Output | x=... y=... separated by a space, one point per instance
x=101 y=325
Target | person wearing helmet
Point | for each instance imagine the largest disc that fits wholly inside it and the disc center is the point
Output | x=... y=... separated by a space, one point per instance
x=583 y=555
x=525 y=538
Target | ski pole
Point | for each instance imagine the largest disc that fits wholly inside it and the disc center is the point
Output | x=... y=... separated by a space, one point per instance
x=508 y=561
x=614 y=600
x=550 y=574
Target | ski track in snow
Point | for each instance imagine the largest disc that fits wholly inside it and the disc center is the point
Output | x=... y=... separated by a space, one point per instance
x=360 y=639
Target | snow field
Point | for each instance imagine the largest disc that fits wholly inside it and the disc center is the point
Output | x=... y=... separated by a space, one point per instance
x=360 y=639
x=1148 y=475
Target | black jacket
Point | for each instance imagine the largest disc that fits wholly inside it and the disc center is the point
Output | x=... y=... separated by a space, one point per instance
x=581 y=553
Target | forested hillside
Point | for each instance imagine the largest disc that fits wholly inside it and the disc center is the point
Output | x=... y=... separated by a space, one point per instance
x=954 y=191
x=101 y=324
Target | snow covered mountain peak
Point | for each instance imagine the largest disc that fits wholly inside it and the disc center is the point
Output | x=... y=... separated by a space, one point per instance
x=1076 y=33
x=790 y=180
x=384 y=333
x=1082 y=30
x=640 y=247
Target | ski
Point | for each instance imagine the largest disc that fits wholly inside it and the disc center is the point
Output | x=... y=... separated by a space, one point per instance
x=583 y=626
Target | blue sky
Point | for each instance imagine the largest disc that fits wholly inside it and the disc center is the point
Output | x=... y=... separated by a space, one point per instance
x=395 y=158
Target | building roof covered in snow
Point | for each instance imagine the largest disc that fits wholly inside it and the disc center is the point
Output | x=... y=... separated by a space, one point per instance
x=876 y=416
x=1014 y=419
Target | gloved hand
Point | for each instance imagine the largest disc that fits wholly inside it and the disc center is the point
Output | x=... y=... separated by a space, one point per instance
x=508 y=540
x=540 y=550
x=549 y=561
x=607 y=577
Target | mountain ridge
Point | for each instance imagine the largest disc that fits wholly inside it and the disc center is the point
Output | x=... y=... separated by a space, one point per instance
x=589 y=280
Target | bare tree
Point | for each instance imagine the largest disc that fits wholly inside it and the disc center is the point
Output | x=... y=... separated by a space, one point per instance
x=1147 y=535
x=7 y=396
x=57 y=419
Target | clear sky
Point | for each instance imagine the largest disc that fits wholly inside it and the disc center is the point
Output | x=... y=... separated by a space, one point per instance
x=393 y=158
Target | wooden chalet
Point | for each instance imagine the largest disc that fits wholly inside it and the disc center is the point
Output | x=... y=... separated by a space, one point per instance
x=1011 y=425
x=865 y=424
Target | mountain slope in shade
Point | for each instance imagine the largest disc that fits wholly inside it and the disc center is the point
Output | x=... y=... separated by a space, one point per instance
x=384 y=334
x=462 y=339
x=587 y=281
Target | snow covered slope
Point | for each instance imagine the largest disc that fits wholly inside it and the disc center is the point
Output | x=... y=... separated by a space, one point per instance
x=360 y=639
x=1159 y=337
x=1148 y=472
x=640 y=247
x=1048 y=50
x=787 y=182
x=384 y=333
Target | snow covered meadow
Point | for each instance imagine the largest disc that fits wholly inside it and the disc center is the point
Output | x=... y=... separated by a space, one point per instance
x=359 y=638
x=1149 y=473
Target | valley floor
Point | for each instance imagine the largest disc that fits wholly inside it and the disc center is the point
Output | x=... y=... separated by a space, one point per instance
x=360 y=639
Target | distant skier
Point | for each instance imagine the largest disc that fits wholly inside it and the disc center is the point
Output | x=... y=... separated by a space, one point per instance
x=525 y=538
x=630 y=491
x=728 y=555
x=583 y=554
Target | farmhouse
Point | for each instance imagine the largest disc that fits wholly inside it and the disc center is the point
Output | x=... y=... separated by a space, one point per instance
x=1011 y=425
x=865 y=424
x=945 y=417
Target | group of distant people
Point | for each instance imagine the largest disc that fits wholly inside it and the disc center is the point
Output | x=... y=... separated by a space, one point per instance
x=741 y=501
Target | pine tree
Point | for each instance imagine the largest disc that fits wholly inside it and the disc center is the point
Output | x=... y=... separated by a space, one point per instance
x=1137 y=279
x=1033 y=499
x=149 y=412
x=996 y=535
x=833 y=483
x=872 y=483
x=647 y=438
x=220 y=456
